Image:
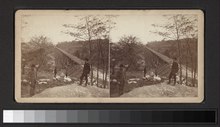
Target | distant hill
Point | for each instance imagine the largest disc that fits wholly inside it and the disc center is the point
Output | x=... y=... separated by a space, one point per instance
x=170 y=49
x=70 y=46
x=81 y=48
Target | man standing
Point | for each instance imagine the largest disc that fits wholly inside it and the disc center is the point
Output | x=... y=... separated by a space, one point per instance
x=174 y=70
x=121 y=78
x=86 y=71
x=32 y=79
x=112 y=66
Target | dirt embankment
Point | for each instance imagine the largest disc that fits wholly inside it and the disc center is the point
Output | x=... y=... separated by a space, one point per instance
x=73 y=90
x=163 y=90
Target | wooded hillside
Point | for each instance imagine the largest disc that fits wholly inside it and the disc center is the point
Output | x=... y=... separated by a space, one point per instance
x=170 y=49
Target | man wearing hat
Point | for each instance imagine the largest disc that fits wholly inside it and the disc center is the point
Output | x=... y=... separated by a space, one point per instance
x=174 y=70
x=32 y=79
x=121 y=78
x=86 y=71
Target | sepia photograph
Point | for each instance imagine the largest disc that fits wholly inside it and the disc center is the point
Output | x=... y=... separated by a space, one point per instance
x=109 y=56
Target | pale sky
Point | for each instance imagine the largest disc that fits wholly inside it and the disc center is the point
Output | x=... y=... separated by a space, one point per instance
x=51 y=27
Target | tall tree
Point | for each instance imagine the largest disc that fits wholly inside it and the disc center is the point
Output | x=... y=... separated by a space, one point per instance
x=176 y=28
x=36 y=51
x=90 y=28
x=85 y=31
x=190 y=30
x=103 y=33
x=126 y=51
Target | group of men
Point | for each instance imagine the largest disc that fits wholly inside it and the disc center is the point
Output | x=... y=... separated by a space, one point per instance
x=32 y=76
x=120 y=75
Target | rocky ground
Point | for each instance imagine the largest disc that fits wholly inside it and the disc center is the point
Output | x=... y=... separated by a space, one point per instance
x=163 y=90
x=73 y=90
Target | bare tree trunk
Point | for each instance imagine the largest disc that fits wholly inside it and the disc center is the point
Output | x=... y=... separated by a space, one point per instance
x=194 y=76
x=192 y=61
x=108 y=64
x=187 y=53
x=98 y=67
x=180 y=60
x=106 y=74
x=90 y=49
x=179 y=47
x=107 y=67
x=103 y=75
x=91 y=66
x=103 y=65
x=101 y=59
x=187 y=70
x=97 y=75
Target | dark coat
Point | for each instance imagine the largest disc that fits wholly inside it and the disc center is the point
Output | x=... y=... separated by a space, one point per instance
x=175 y=67
x=86 y=68
x=121 y=76
x=32 y=77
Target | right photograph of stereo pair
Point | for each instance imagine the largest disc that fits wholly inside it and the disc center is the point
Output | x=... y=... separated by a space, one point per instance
x=156 y=55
